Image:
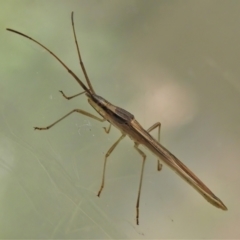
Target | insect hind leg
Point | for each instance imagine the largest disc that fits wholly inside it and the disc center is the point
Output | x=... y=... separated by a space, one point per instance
x=156 y=125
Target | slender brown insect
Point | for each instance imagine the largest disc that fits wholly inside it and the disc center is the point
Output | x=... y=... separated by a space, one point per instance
x=129 y=126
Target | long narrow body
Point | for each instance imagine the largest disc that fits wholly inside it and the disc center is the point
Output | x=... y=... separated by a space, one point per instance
x=174 y=163
x=128 y=125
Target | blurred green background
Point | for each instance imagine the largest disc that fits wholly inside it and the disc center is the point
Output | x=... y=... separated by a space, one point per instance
x=176 y=62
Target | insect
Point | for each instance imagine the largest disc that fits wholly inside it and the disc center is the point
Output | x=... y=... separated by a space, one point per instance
x=128 y=126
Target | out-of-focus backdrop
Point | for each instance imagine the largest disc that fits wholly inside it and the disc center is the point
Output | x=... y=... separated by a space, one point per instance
x=176 y=62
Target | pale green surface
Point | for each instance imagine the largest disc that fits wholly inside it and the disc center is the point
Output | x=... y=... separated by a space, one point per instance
x=171 y=61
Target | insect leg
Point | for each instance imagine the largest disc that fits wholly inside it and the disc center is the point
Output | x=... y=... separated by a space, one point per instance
x=71 y=97
x=75 y=110
x=105 y=162
x=156 y=125
x=141 y=178
x=107 y=130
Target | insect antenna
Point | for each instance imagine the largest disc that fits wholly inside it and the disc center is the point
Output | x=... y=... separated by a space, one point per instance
x=79 y=56
x=58 y=59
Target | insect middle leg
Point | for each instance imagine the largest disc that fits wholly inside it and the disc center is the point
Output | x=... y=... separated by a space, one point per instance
x=73 y=111
x=141 y=178
x=156 y=125
x=105 y=161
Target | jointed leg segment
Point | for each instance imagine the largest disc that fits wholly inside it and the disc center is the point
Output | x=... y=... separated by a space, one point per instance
x=156 y=125
x=105 y=162
x=107 y=130
x=71 y=97
x=141 y=178
x=75 y=110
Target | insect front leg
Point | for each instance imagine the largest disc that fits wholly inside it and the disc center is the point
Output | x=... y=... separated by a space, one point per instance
x=71 y=97
x=105 y=162
x=107 y=130
x=156 y=125
x=73 y=111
